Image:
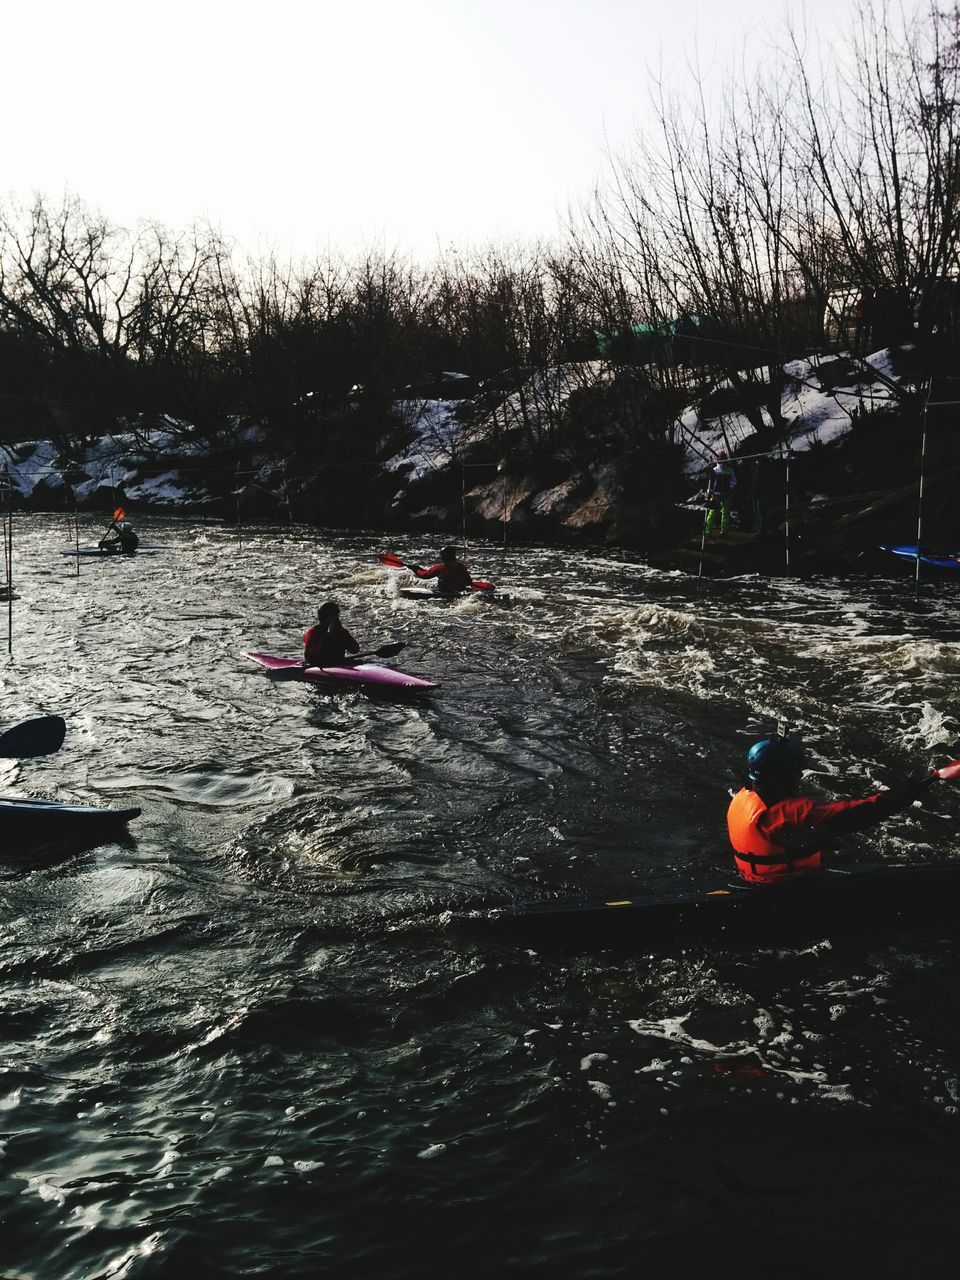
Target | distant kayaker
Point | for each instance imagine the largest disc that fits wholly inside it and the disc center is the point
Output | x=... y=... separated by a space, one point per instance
x=328 y=643
x=124 y=541
x=720 y=487
x=776 y=833
x=452 y=575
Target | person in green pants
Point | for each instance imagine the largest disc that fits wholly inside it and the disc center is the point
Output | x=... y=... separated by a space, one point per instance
x=720 y=489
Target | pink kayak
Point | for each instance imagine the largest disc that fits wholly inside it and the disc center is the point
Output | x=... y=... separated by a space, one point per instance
x=360 y=673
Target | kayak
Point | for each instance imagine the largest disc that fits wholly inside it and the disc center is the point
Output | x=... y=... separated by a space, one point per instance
x=428 y=593
x=110 y=555
x=365 y=674
x=20 y=817
x=949 y=562
x=734 y=912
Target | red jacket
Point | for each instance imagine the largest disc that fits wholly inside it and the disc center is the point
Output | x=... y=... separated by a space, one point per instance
x=327 y=645
x=776 y=841
x=450 y=577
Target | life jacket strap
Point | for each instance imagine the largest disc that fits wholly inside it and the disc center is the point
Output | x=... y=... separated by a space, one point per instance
x=784 y=859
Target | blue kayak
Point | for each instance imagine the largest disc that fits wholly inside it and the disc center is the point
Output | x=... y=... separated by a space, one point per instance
x=948 y=562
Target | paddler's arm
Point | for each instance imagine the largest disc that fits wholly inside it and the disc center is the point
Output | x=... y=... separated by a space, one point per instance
x=432 y=572
x=803 y=825
x=852 y=816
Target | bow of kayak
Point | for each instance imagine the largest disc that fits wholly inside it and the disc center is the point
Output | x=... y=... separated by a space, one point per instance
x=370 y=674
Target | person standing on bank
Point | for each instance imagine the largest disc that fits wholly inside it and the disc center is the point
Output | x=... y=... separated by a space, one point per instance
x=720 y=489
x=777 y=833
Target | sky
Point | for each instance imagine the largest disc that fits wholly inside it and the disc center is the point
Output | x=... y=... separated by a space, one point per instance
x=342 y=124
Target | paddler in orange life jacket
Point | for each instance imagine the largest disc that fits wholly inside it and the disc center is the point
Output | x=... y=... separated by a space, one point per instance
x=452 y=575
x=778 y=834
x=328 y=643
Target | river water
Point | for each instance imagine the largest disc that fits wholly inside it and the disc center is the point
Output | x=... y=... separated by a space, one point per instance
x=248 y=1039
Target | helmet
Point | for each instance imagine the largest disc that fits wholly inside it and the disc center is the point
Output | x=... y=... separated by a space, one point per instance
x=125 y=526
x=774 y=758
x=448 y=553
x=721 y=456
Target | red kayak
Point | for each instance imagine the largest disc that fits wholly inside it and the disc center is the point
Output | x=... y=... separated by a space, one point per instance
x=370 y=674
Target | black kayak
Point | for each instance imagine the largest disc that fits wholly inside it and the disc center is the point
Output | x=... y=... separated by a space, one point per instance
x=110 y=555
x=21 y=818
x=733 y=912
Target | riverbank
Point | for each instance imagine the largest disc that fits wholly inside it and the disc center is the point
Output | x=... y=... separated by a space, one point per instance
x=841 y=470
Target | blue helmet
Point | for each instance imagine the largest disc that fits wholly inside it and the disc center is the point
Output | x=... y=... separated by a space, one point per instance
x=772 y=759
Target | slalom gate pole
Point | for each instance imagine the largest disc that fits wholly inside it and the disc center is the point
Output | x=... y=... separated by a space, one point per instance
x=923 y=463
x=786 y=522
x=463 y=502
x=8 y=556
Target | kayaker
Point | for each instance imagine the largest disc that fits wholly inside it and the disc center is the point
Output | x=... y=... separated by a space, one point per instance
x=125 y=540
x=328 y=643
x=776 y=833
x=720 y=487
x=452 y=575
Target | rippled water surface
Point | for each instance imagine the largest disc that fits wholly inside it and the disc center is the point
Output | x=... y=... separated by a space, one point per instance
x=248 y=1038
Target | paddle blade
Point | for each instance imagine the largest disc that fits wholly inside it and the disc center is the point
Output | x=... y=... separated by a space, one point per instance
x=392 y=559
x=119 y=514
x=948 y=771
x=479 y=585
x=37 y=737
x=389 y=650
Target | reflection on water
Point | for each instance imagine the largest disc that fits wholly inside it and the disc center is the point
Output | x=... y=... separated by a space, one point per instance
x=250 y=1029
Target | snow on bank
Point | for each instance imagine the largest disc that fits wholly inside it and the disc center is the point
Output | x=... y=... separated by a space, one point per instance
x=439 y=433
x=814 y=415
x=136 y=462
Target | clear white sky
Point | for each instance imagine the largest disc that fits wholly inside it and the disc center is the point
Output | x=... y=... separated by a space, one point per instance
x=342 y=122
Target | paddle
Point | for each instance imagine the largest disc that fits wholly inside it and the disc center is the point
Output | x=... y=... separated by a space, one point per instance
x=948 y=771
x=37 y=737
x=385 y=651
x=393 y=561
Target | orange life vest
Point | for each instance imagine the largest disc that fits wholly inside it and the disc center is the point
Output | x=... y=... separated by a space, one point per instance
x=758 y=859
